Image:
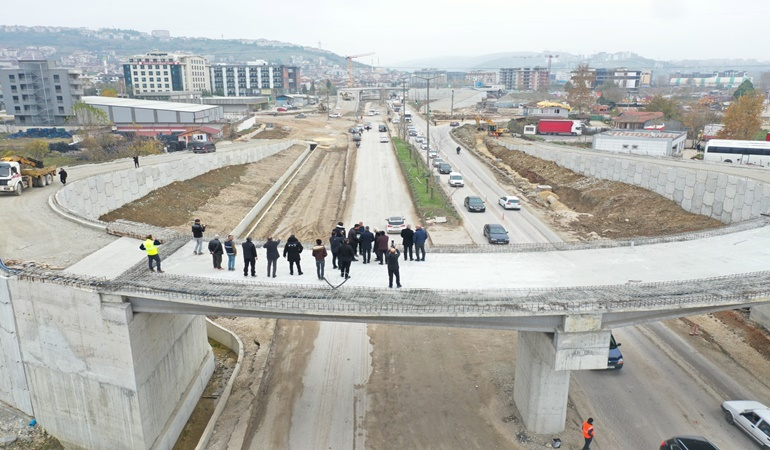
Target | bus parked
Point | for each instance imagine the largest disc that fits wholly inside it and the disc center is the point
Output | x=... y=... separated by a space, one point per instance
x=755 y=153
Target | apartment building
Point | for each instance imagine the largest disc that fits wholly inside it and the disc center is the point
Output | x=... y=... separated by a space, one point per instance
x=629 y=79
x=156 y=72
x=254 y=79
x=524 y=79
x=727 y=79
x=40 y=93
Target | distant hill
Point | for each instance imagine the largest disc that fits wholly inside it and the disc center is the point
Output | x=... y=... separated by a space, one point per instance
x=121 y=43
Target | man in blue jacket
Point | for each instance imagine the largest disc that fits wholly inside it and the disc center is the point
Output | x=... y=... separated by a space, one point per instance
x=419 y=238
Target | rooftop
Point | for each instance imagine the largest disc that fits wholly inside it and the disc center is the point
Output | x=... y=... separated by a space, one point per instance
x=643 y=134
x=147 y=104
x=637 y=116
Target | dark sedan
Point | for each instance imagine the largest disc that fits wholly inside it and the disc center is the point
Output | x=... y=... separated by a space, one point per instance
x=475 y=204
x=496 y=234
x=687 y=443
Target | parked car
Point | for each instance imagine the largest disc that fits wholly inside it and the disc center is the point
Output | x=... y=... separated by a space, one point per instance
x=419 y=139
x=454 y=124
x=496 y=234
x=615 y=358
x=281 y=109
x=687 y=443
x=412 y=133
x=437 y=162
x=751 y=417
x=335 y=115
x=353 y=130
x=395 y=224
x=300 y=116
x=444 y=168
x=423 y=146
x=384 y=139
x=432 y=154
x=292 y=107
x=202 y=147
x=510 y=202
x=474 y=204
x=456 y=180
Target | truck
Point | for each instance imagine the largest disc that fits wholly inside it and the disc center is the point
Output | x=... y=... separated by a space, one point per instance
x=562 y=127
x=18 y=173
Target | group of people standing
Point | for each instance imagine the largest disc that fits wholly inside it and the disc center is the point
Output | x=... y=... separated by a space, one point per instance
x=345 y=246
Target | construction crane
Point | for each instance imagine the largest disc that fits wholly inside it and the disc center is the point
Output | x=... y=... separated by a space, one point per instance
x=550 y=57
x=350 y=66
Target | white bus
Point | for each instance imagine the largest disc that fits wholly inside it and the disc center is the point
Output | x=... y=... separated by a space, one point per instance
x=755 y=153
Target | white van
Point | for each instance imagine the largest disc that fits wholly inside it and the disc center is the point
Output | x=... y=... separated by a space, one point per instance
x=456 y=180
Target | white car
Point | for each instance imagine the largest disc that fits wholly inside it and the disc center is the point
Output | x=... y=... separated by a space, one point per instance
x=432 y=153
x=438 y=161
x=751 y=417
x=510 y=202
x=335 y=115
x=395 y=224
x=384 y=139
x=423 y=146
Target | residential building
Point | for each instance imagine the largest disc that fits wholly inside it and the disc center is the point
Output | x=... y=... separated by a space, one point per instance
x=480 y=78
x=420 y=78
x=40 y=93
x=524 y=79
x=641 y=142
x=727 y=79
x=166 y=72
x=254 y=79
x=637 y=120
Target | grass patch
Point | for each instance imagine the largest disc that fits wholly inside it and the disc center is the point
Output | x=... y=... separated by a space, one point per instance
x=430 y=201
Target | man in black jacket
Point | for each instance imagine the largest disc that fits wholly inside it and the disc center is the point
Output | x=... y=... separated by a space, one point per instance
x=345 y=258
x=392 y=259
x=406 y=235
x=216 y=250
x=335 y=242
x=197 y=230
x=272 y=254
x=249 y=257
x=291 y=252
x=366 y=240
x=353 y=240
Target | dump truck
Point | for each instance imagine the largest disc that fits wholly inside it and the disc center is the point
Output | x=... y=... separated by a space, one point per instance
x=18 y=173
x=569 y=127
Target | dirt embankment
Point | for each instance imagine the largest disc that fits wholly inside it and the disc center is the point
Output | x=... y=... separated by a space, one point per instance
x=599 y=208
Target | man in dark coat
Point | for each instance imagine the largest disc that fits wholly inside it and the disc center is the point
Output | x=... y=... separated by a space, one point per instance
x=63 y=176
x=406 y=236
x=249 y=257
x=392 y=258
x=382 y=246
x=353 y=240
x=367 y=238
x=216 y=250
x=419 y=238
x=346 y=257
x=291 y=252
x=272 y=254
x=334 y=243
x=197 y=230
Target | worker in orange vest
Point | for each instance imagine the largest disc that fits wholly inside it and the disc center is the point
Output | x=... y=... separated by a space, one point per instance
x=588 y=432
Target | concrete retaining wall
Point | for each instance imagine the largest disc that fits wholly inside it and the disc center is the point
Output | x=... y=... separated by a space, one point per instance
x=724 y=197
x=91 y=197
x=13 y=382
x=101 y=376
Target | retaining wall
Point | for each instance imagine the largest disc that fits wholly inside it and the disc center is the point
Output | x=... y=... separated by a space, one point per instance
x=94 y=196
x=727 y=198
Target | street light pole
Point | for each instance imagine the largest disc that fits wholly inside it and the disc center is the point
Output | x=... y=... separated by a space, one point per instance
x=427 y=105
x=403 y=105
x=452 y=108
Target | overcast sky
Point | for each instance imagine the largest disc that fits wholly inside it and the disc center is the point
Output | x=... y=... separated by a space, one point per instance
x=403 y=30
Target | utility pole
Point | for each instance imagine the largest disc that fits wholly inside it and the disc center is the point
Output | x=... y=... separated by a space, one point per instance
x=403 y=106
x=452 y=108
x=427 y=106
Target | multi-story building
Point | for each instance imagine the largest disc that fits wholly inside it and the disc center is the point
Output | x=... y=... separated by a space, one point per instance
x=254 y=78
x=166 y=72
x=524 y=79
x=40 y=92
x=480 y=78
x=629 y=79
x=421 y=78
x=727 y=79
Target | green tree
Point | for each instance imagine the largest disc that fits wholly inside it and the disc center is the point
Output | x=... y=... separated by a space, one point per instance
x=669 y=108
x=304 y=89
x=37 y=149
x=742 y=119
x=580 y=94
x=109 y=92
x=744 y=88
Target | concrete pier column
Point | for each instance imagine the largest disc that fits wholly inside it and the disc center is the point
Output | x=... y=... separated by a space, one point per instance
x=761 y=315
x=539 y=390
x=543 y=364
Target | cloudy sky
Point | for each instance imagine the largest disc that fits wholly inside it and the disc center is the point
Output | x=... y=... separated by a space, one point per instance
x=404 y=30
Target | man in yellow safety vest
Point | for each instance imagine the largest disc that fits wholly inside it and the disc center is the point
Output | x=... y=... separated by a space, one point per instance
x=150 y=245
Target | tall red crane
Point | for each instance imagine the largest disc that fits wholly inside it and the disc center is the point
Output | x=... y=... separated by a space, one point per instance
x=350 y=66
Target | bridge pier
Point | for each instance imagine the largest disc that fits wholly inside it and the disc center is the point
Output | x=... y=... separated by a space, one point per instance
x=97 y=374
x=543 y=365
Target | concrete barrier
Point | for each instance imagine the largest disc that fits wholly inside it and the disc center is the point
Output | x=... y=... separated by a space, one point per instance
x=88 y=199
x=727 y=198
